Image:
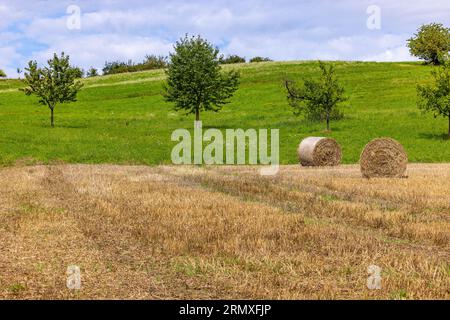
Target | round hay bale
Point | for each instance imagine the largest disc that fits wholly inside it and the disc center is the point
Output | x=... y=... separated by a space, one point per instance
x=383 y=157
x=319 y=151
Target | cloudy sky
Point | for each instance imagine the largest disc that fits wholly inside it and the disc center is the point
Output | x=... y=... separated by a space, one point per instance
x=279 y=29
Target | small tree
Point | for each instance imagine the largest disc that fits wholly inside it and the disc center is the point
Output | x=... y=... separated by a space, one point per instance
x=431 y=43
x=19 y=72
x=2 y=74
x=54 y=83
x=92 y=72
x=435 y=97
x=79 y=72
x=153 y=62
x=317 y=97
x=195 y=81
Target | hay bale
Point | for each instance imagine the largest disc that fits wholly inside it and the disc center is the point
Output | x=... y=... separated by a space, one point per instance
x=318 y=151
x=383 y=157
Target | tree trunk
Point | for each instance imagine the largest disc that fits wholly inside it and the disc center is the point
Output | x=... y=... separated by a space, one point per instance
x=52 y=118
x=448 y=127
x=328 y=122
x=197 y=115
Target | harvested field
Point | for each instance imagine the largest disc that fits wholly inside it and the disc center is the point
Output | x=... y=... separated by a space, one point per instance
x=223 y=232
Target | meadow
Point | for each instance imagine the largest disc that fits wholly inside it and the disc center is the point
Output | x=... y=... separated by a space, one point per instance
x=122 y=119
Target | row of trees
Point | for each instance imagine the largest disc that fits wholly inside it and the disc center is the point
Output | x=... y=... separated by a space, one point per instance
x=232 y=59
x=196 y=83
x=151 y=62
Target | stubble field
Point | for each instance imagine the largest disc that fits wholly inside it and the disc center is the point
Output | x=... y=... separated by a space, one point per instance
x=223 y=232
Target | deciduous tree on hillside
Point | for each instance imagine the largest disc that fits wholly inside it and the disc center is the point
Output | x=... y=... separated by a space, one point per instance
x=92 y=72
x=195 y=81
x=320 y=96
x=53 y=84
x=431 y=43
x=435 y=97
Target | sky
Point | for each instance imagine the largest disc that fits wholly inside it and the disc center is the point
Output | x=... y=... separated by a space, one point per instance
x=95 y=31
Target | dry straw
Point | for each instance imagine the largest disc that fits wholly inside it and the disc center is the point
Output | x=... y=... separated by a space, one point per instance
x=318 y=151
x=383 y=157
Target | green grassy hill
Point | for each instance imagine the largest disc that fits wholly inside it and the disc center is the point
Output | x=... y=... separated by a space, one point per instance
x=123 y=118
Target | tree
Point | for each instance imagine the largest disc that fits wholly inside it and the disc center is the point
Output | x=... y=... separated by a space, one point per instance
x=54 y=83
x=19 y=72
x=231 y=59
x=320 y=96
x=195 y=81
x=2 y=74
x=153 y=62
x=260 y=59
x=79 y=72
x=435 y=97
x=92 y=72
x=431 y=43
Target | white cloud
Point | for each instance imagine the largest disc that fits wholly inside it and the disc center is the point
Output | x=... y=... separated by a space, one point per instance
x=282 y=29
x=94 y=50
x=394 y=54
x=9 y=55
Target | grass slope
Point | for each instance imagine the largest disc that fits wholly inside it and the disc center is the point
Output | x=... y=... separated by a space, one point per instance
x=123 y=118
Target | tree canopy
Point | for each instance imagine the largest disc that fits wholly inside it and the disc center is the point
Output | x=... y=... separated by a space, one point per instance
x=195 y=80
x=435 y=97
x=317 y=97
x=53 y=84
x=431 y=43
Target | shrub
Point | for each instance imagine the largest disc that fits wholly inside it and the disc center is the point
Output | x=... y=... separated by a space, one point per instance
x=78 y=72
x=92 y=72
x=260 y=59
x=151 y=62
x=231 y=59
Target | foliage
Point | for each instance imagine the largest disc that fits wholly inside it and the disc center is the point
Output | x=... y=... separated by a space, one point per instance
x=195 y=81
x=2 y=74
x=431 y=43
x=54 y=83
x=259 y=59
x=92 y=72
x=79 y=72
x=151 y=62
x=435 y=97
x=317 y=98
x=231 y=59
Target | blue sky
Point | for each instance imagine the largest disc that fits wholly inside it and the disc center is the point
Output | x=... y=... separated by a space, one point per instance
x=281 y=30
